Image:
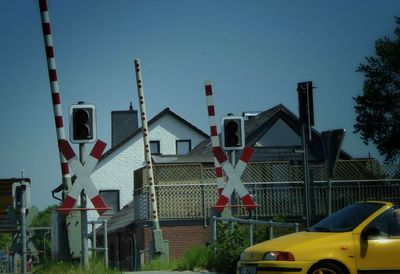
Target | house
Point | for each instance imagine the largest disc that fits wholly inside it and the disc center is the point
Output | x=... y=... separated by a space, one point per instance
x=169 y=134
x=275 y=135
x=186 y=186
x=186 y=190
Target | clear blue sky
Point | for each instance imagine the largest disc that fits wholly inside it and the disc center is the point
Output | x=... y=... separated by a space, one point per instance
x=254 y=52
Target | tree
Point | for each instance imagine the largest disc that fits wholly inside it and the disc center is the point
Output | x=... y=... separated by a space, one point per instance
x=5 y=241
x=378 y=108
x=43 y=219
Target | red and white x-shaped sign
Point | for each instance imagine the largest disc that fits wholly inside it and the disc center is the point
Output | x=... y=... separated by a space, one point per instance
x=234 y=182
x=83 y=180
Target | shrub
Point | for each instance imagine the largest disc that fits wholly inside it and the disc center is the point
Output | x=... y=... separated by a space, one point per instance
x=230 y=244
x=196 y=257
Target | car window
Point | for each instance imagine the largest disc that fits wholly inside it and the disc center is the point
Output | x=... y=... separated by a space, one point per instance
x=347 y=218
x=388 y=223
x=395 y=223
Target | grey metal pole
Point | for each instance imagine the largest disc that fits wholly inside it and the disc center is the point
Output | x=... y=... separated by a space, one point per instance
x=271 y=232
x=23 y=225
x=15 y=262
x=44 y=243
x=85 y=251
x=329 y=196
x=23 y=233
x=306 y=176
x=94 y=238
x=251 y=234
x=251 y=229
x=233 y=210
x=214 y=230
x=105 y=243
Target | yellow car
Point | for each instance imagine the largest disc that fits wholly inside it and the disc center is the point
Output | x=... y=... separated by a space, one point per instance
x=360 y=238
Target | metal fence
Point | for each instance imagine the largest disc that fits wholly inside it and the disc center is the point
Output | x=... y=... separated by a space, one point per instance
x=251 y=223
x=188 y=191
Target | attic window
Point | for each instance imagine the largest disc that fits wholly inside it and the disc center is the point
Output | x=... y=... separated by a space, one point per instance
x=279 y=135
x=155 y=147
x=183 y=146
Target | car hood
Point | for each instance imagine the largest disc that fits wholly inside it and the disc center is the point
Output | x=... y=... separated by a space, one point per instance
x=304 y=245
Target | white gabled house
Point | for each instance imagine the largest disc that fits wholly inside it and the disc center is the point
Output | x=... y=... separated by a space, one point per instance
x=169 y=134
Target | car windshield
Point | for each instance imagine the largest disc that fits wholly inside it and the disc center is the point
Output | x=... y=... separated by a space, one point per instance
x=347 y=218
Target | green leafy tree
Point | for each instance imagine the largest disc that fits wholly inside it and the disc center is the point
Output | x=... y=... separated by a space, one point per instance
x=43 y=219
x=5 y=241
x=378 y=108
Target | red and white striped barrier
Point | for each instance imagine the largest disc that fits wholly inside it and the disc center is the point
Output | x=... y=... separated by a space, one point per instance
x=83 y=180
x=214 y=134
x=234 y=182
x=55 y=92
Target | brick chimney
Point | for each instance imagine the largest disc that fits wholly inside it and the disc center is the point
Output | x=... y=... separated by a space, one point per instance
x=123 y=124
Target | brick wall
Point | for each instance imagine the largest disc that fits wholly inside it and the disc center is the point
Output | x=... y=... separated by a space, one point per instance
x=181 y=237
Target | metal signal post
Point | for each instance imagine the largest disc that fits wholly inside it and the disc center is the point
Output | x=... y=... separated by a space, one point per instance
x=84 y=225
x=306 y=115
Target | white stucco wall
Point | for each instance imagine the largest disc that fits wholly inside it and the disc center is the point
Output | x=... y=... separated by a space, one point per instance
x=116 y=171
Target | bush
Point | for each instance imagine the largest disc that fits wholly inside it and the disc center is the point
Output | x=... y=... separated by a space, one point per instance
x=228 y=248
x=196 y=257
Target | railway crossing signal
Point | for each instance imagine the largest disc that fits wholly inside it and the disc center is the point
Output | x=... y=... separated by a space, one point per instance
x=82 y=123
x=83 y=180
x=234 y=182
x=306 y=105
x=232 y=133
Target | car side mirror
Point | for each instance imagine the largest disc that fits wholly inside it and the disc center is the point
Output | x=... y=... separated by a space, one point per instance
x=371 y=231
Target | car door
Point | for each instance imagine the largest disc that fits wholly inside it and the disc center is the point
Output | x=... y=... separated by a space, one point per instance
x=378 y=248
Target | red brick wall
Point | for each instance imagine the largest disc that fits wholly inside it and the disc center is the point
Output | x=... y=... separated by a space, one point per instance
x=181 y=237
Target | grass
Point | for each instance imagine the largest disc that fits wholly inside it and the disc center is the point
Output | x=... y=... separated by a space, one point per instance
x=96 y=267
x=196 y=257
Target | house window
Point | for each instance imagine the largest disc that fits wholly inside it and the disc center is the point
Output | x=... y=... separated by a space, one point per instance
x=155 y=147
x=111 y=198
x=183 y=146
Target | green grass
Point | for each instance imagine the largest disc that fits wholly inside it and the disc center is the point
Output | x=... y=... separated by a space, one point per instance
x=196 y=257
x=58 y=267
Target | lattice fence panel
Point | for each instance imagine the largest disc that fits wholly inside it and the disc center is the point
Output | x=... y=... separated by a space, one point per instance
x=189 y=191
x=178 y=174
x=356 y=170
x=209 y=176
x=257 y=172
x=389 y=171
x=185 y=201
x=275 y=199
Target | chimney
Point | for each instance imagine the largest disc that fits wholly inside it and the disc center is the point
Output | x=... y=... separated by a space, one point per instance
x=123 y=124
